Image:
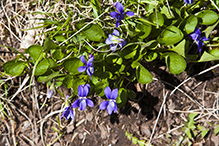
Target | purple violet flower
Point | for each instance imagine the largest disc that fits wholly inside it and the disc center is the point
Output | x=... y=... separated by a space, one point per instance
x=68 y=113
x=88 y=66
x=120 y=15
x=82 y=101
x=114 y=40
x=111 y=104
x=195 y=36
x=188 y=2
x=51 y=90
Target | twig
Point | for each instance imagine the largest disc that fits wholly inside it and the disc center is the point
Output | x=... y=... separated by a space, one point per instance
x=164 y=100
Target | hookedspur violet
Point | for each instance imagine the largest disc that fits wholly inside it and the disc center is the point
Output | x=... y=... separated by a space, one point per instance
x=120 y=15
x=68 y=113
x=114 y=40
x=195 y=36
x=111 y=104
x=82 y=101
x=51 y=90
x=88 y=66
x=188 y=2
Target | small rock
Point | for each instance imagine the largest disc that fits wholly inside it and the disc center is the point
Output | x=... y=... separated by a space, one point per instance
x=146 y=129
x=80 y=136
x=57 y=144
x=89 y=116
x=70 y=128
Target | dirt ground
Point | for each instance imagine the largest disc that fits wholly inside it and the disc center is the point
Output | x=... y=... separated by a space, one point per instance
x=32 y=117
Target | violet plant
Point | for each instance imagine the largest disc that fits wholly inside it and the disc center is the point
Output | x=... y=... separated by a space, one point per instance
x=74 y=47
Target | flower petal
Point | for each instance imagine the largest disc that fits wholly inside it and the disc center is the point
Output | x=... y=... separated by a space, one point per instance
x=83 y=59
x=90 y=71
x=72 y=114
x=119 y=7
x=117 y=23
x=129 y=13
x=90 y=103
x=115 y=108
x=82 y=104
x=103 y=105
x=80 y=90
x=113 y=47
x=90 y=61
x=110 y=107
x=75 y=104
x=65 y=112
x=86 y=90
x=109 y=39
x=107 y=92
x=82 y=68
x=114 y=94
x=114 y=14
x=204 y=38
x=115 y=32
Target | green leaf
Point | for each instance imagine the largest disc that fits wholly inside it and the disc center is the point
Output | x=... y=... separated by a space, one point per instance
x=72 y=65
x=94 y=33
x=129 y=51
x=35 y=51
x=49 y=45
x=135 y=140
x=96 y=7
x=171 y=35
x=188 y=133
x=122 y=97
x=58 y=55
x=175 y=63
x=214 y=52
x=49 y=77
x=129 y=135
x=216 y=130
x=14 y=68
x=131 y=94
x=141 y=142
x=144 y=28
x=204 y=132
x=42 y=67
x=143 y=75
x=208 y=57
x=153 y=18
x=114 y=58
x=76 y=83
x=180 y=48
x=191 y=24
x=68 y=81
x=152 y=55
x=208 y=17
x=209 y=29
x=99 y=87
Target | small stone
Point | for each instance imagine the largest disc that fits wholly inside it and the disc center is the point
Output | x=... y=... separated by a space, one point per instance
x=89 y=117
x=81 y=136
x=70 y=128
x=145 y=129
x=57 y=144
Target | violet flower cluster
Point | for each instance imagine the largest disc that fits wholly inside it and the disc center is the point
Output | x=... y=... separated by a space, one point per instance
x=111 y=104
x=83 y=90
x=120 y=15
x=88 y=66
x=113 y=39
x=196 y=36
x=81 y=102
